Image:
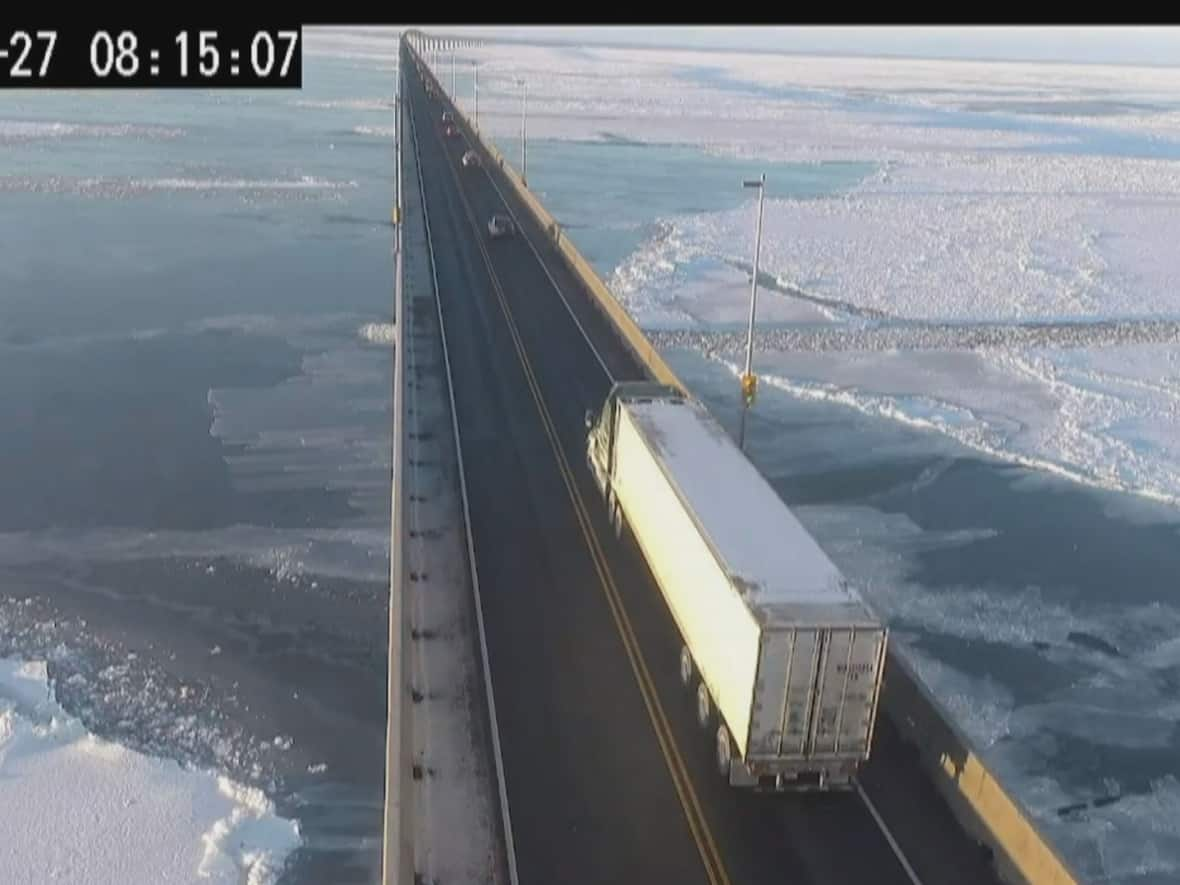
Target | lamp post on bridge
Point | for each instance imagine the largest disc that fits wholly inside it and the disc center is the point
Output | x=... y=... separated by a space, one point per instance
x=397 y=166
x=454 y=91
x=749 y=380
x=524 y=101
x=475 y=92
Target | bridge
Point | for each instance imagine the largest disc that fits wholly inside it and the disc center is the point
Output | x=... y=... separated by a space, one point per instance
x=595 y=767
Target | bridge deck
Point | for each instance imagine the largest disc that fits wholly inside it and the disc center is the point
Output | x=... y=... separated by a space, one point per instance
x=609 y=778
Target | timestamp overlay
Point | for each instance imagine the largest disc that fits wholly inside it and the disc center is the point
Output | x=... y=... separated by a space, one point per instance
x=122 y=56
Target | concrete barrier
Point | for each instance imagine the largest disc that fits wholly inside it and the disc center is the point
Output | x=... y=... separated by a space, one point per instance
x=983 y=808
x=978 y=800
x=397 y=860
x=503 y=866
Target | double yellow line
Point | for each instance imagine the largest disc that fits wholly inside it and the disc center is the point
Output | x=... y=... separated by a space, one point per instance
x=710 y=857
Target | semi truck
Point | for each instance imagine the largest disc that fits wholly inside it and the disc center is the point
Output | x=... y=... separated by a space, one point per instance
x=786 y=657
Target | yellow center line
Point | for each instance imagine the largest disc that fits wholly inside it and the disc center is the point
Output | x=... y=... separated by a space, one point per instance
x=702 y=836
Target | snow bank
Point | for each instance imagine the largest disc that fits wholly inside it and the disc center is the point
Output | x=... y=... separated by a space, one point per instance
x=77 y=808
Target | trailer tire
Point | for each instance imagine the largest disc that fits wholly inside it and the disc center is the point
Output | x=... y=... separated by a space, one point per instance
x=724 y=751
x=704 y=706
x=685 y=666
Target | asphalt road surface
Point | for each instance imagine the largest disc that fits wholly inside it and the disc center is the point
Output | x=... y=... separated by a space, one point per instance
x=609 y=777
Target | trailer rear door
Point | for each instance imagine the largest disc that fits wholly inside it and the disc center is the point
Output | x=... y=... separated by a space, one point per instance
x=781 y=719
x=846 y=695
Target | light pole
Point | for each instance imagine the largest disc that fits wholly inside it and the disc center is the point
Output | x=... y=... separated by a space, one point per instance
x=397 y=155
x=524 y=101
x=475 y=92
x=397 y=170
x=749 y=380
x=454 y=92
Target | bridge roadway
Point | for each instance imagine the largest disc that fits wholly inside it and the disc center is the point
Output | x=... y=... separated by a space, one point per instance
x=609 y=777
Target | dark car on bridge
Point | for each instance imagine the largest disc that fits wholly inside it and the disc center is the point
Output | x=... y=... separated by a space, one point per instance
x=450 y=131
x=500 y=226
x=471 y=158
x=448 y=117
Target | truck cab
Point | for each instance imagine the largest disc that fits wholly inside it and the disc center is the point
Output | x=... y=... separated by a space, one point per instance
x=600 y=427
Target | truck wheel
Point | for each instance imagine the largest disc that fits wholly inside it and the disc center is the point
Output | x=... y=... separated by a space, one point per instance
x=685 y=666
x=724 y=750
x=704 y=707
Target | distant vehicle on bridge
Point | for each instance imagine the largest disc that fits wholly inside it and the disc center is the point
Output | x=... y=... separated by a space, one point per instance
x=448 y=117
x=787 y=658
x=450 y=131
x=471 y=158
x=500 y=226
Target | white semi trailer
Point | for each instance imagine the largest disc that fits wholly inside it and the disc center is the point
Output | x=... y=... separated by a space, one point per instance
x=786 y=657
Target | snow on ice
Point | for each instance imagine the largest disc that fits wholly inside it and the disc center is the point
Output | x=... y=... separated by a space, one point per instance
x=78 y=808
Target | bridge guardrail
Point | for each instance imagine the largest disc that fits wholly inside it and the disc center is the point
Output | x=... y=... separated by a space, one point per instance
x=398 y=836
x=984 y=808
x=506 y=842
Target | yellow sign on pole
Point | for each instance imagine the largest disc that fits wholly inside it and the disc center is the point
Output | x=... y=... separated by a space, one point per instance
x=749 y=387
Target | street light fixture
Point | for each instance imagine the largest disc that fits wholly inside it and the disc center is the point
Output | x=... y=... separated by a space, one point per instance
x=749 y=380
x=475 y=92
